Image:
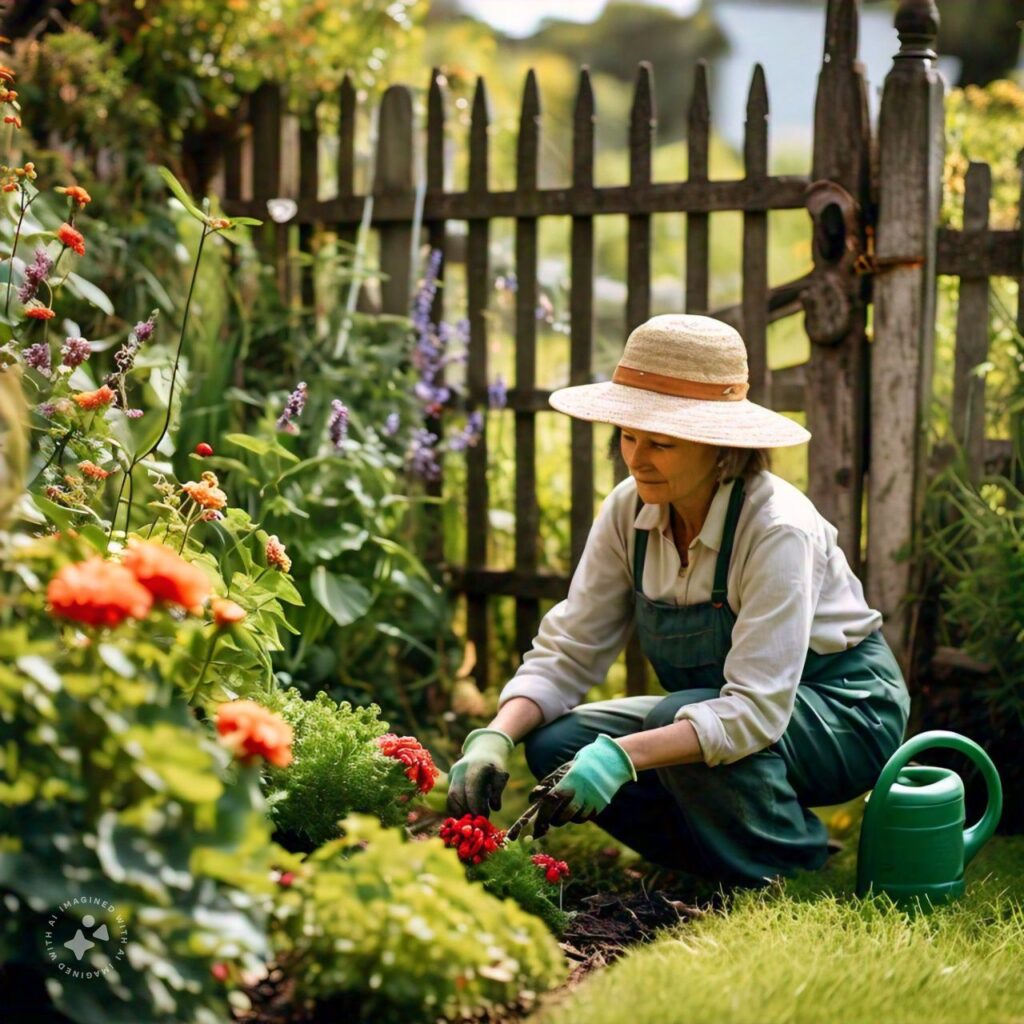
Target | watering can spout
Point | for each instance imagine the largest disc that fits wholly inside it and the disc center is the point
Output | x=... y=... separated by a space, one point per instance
x=913 y=844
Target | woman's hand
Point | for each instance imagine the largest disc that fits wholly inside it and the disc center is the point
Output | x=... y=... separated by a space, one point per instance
x=597 y=772
x=477 y=779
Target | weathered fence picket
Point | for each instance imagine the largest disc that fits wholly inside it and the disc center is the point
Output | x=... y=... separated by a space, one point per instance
x=527 y=529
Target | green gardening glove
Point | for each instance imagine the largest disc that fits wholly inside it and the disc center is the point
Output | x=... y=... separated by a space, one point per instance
x=478 y=777
x=597 y=772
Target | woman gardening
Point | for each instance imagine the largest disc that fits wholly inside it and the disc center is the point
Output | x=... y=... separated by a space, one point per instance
x=781 y=693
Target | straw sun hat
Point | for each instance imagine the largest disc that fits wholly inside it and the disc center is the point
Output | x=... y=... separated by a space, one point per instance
x=684 y=376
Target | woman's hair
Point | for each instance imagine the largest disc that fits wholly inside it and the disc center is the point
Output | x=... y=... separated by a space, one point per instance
x=732 y=462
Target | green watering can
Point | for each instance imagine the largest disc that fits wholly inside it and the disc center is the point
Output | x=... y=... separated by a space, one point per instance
x=912 y=842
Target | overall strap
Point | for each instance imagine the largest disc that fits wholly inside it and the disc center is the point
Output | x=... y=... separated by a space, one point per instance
x=718 y=594
x=639 y=552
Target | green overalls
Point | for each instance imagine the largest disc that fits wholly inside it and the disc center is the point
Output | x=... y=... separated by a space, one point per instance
x=746 y=822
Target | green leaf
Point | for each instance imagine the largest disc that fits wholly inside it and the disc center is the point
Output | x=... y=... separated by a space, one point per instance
x=36 y=667
x=352 y=538
x=78 y=285
x=344 y=598
x=181 y=195
x=61 y=517
x=260 y=446
x=250 y=222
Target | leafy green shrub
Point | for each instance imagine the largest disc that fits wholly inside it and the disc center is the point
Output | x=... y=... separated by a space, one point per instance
x=980 y=551
x=337 y=769
x=393 y=931
x=111 y=790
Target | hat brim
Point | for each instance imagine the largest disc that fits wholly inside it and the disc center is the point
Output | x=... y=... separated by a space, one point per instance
x=742 y=424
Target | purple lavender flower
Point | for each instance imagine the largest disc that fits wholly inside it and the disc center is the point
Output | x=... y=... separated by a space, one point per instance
x=47 y=409
x=293 y=409
x=391 y=424
x=75 y=351
x=506 y=282
x=497 y=393
x=144 y=328
x=425 y=296
x=469 y=435
x=337 y=425
x=422 y=455
x=35 y=274
x=38 y=357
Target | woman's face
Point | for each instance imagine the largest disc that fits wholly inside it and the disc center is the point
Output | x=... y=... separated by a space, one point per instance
x=668 y=469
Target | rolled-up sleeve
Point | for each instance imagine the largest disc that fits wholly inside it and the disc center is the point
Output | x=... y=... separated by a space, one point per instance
x=580 y=637
x=777 y=596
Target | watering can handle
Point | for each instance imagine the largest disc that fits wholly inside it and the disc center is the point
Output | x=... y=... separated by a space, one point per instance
x=977 y=834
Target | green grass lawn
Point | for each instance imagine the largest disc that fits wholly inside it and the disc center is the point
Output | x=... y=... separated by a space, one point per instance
x=808 y=951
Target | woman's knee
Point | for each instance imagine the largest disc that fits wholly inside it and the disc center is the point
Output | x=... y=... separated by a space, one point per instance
x=553 y=744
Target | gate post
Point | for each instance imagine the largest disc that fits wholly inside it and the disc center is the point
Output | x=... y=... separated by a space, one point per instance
x=910 y=153
x=834 y=303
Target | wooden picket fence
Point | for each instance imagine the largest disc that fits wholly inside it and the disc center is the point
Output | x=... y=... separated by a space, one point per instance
x=875 y=237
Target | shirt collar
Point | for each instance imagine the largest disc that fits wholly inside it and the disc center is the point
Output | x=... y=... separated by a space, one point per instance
x=656 y=517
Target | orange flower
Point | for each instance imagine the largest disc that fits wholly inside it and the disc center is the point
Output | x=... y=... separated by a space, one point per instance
x=226 y=612
x=166 y=575
x=277 y=556
x=250 y=730
x=98 y=593
x=94 y=399
x=206 y=492
x=13 y=119
x=6 y=73
x=90 y=469
x=75 y=192
x=72 y=238
x=35 y=310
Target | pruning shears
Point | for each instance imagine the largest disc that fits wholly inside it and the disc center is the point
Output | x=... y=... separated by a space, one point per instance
x=537 y=795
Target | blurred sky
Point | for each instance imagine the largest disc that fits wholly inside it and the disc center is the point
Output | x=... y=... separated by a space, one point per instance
x=520 y=17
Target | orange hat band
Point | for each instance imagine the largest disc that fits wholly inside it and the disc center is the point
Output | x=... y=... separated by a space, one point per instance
x=678 y=387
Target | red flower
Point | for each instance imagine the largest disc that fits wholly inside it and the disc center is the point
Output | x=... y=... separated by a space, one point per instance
x=473 y=836
x=76 y=193
x=419 y=765
x=91 y=470
x=251 y=730
x=92 y=399
x=166 y=575
x=203 y=449
x=35 y=310
x=287 y=879
x=97 y=593
x=226 y=612
x=554 y=870
x=276 y=555
x=220 y=971
x=72 y=238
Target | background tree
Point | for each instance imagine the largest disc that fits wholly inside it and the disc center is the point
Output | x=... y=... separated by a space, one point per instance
x=108 y=74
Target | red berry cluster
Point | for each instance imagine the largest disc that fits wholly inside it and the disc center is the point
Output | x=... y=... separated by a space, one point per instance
x=419 y=765
x=554 y=870
x=473 y=836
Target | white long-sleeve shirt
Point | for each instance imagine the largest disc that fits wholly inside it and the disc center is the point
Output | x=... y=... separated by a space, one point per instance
x=789 y=584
